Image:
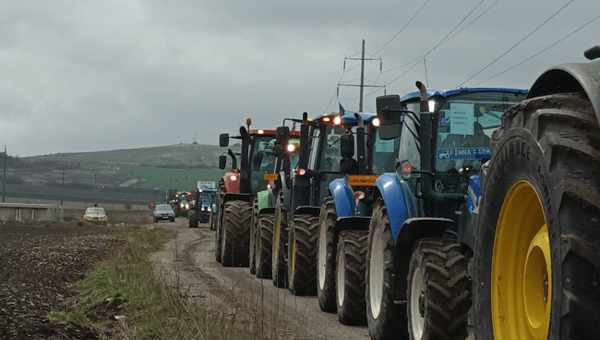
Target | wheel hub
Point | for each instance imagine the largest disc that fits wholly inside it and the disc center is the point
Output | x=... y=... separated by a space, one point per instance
x=417 y=303
x=322 y=258
x=376 y=273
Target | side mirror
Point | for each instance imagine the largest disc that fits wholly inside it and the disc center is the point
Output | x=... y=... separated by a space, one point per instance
x=224 y=140
x=222 y=161
x=347 y=145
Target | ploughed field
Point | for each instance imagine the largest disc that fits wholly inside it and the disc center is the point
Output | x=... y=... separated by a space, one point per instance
x=38 y=264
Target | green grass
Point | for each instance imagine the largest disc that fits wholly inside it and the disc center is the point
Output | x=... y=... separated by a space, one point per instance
x=127 y=284
x=165 y=178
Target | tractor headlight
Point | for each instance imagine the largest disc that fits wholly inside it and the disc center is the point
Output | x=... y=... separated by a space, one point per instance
x=291 y=148
x=337 y=120
x=376 y=122
x=431 y=105
x=208 y=209
x=233 y=177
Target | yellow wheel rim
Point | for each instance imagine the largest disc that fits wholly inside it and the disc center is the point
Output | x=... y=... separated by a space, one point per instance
x=521 y=267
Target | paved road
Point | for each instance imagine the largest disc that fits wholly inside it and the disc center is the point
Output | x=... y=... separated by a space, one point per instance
x=188 y=263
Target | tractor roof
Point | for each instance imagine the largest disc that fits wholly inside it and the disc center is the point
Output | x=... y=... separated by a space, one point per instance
x=271 y=132
x=461 y=90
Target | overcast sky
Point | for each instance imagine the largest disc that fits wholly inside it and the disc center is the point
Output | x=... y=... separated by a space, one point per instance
x=91 y=75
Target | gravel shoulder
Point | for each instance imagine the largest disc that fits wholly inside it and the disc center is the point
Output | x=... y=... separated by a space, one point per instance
x=188 y=264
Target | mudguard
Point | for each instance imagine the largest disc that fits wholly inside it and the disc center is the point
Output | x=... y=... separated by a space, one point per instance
x=474 y=194
x=571 y=78
x=343 y=196
x=399 y=201
x=237 y=197
x=414 y=229
x=307 y=210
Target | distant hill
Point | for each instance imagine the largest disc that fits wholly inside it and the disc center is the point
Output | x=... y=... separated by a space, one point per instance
x=176 y=166
x=169 y=156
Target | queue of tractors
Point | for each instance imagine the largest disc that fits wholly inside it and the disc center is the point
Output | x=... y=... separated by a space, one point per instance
x=470 y=212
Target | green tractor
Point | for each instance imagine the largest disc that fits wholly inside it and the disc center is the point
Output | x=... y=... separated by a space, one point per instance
x=536 y=270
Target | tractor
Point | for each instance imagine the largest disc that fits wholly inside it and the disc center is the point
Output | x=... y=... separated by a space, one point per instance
x=285 y=150
x=421 y=230
x=237 y=190
x=294 y=252
x=203 y=203
x=536 y=263
x=344 y=221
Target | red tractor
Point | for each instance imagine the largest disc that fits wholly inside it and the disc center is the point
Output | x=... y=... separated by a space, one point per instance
x=237 y=190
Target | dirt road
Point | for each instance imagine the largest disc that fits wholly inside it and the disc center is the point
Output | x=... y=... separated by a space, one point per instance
x=188 y=263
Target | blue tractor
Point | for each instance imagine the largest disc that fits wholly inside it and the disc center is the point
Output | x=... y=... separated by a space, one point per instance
x=421 y=230
x=344 y=221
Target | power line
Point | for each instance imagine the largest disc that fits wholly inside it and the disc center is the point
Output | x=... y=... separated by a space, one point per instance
x=519 y=42
x=442 y=41
x=479 y=16
x=403 y=28
x=543 y=50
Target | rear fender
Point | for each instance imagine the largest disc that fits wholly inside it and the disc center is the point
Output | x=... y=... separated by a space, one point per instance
x=343 y=196
x=573 y=77
x=307 y=210
x=237 y=197
x=414 y=229
x=266 y=211
x=352 y=223
x=399 y=201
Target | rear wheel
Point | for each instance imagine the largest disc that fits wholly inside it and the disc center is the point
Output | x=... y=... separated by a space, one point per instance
x=537 y=266
x=237 y=216
x=326 y=252
x=218 y=241
x=302 y=256
x=278 y=264
x=264 y=244
x=385 y=288
x=253 y=235
x=439 y=291
x=350 y=277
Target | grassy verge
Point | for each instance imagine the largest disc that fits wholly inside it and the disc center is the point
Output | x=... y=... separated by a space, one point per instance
x=122 y=298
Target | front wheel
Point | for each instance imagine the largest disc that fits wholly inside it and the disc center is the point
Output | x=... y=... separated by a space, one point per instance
x=439 y=291
x=350 y=277
x=264 y=244
x=385 y=288
x=326 y=251
x=302 y=258
x=235 y=232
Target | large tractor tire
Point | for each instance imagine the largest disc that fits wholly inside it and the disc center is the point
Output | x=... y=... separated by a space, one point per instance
x=218 y=240
x=302 y=254
x=439 y=291
x=350 y=277
x=537 y=265
x=326 y=251
x=235 y=230
x=253 y=235
x=193 y=220
x=264 y=245
x=385 y=284
x=278 y=254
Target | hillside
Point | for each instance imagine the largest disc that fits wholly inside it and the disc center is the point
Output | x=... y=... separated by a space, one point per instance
x=156 y=168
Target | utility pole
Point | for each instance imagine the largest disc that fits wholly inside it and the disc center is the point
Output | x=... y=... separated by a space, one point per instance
x=362 y=84
x=4 y=176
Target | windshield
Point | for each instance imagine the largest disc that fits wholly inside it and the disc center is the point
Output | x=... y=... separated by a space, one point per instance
x=466 y=124
x=163 y=207
x=263 y=160
x=384 y=154
x=330 y=155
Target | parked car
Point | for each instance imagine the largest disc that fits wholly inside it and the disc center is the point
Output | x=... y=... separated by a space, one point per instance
x=94 y=215
x=163 y=212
